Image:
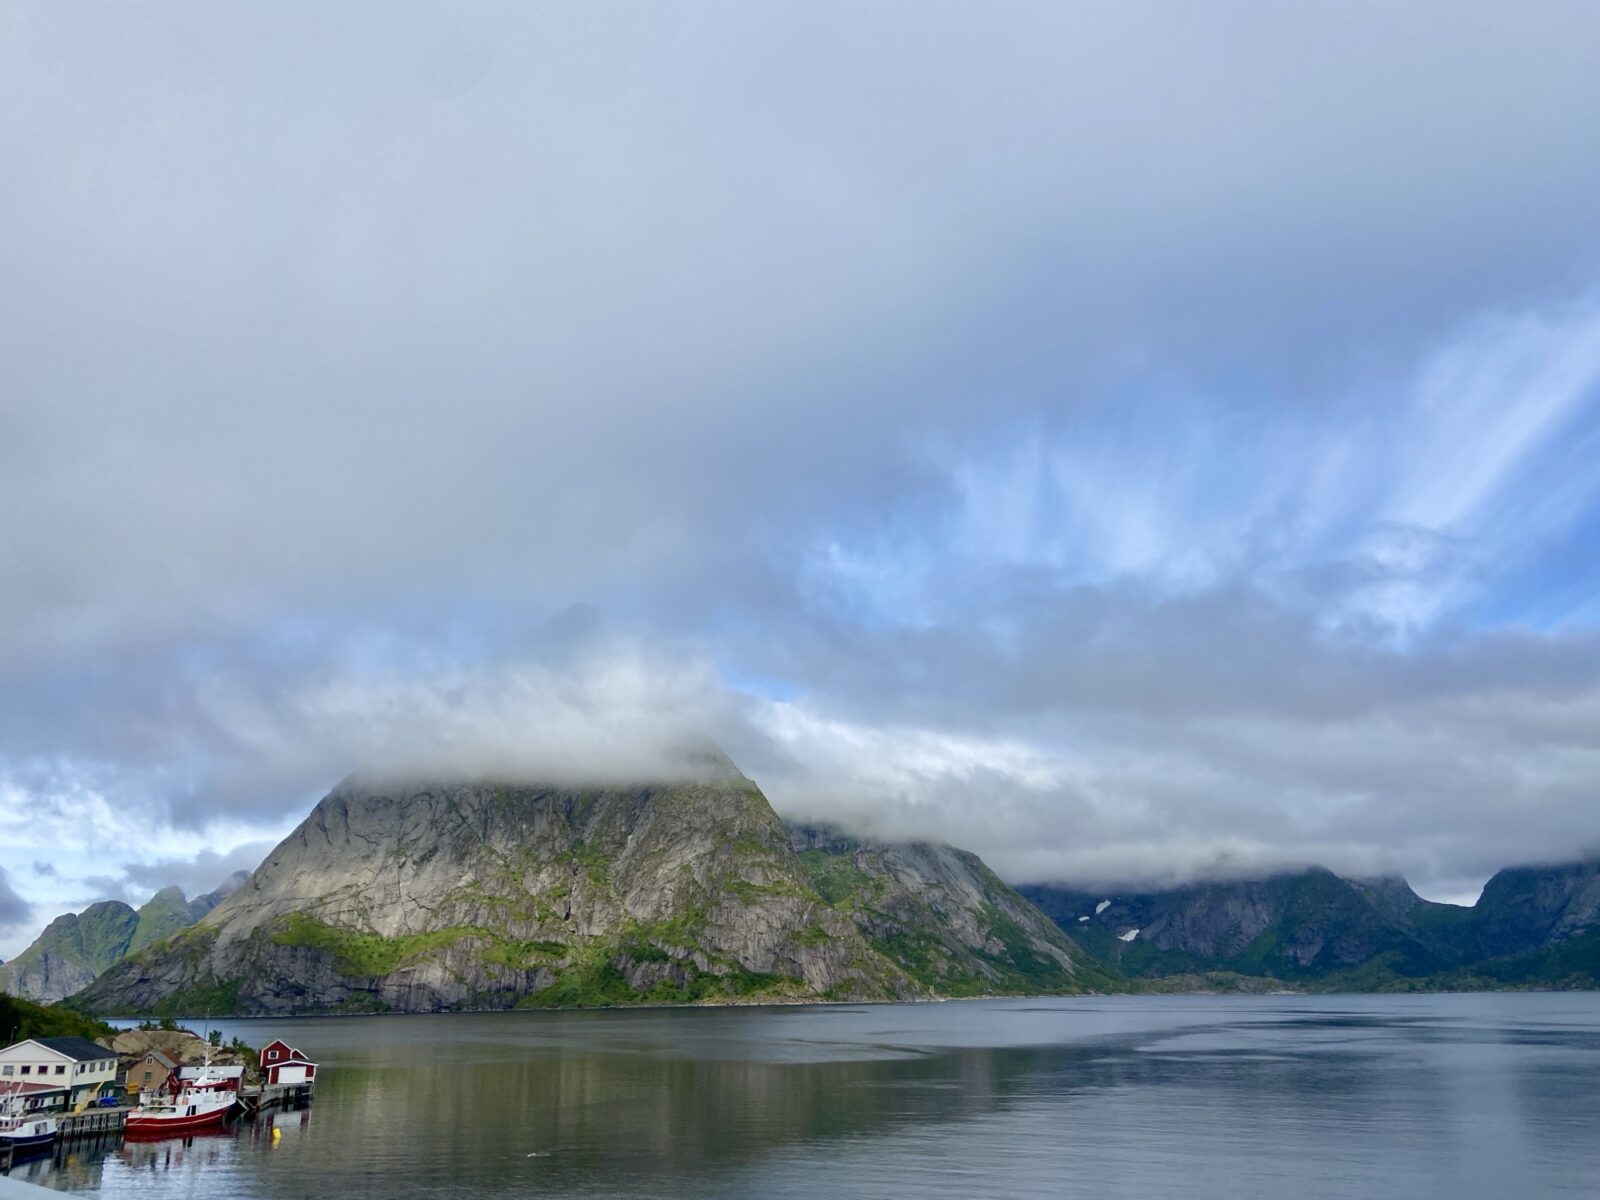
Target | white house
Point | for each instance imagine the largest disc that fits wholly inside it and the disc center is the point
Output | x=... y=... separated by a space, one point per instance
x=84 y=1069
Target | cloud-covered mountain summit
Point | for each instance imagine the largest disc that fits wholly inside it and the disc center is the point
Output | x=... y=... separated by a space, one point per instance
x=1112 y=439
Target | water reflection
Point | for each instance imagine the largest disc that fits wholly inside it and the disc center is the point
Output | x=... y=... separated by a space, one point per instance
x=1258 y=1096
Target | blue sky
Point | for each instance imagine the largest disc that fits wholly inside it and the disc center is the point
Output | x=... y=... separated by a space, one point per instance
x=1133 y=444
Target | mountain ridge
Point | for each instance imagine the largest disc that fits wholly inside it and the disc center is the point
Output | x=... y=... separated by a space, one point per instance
x=422 y=896
x=1532 y=926
x=76 y=948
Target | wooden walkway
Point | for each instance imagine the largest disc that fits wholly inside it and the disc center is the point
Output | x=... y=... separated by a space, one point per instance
x=92 y=1122
x=268 y=1095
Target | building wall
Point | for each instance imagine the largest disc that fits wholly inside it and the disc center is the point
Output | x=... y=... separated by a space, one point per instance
x=26 y=1062
x=147 y=1076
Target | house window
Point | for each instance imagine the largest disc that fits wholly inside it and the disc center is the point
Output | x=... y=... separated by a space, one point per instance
x=27 y=1068
x=272 y=1054
x=60 y=1070
x=6 y=1070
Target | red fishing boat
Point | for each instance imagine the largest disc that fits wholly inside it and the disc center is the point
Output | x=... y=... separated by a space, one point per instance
x=190 y=1104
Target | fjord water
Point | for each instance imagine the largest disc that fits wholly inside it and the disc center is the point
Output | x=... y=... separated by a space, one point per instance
x=1431 y=1096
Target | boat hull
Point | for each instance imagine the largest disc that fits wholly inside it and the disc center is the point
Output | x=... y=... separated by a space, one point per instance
x=157 y=1127
x=28 y=1145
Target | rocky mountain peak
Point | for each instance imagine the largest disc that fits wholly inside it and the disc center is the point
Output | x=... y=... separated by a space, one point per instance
x=400 y=892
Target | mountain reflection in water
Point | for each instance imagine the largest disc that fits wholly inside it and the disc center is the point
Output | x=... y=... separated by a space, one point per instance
x=1484 y=1095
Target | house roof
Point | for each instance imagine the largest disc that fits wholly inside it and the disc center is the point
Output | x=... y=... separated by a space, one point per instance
x=15 y=1087
x=78 y=1048
x=294 y=1055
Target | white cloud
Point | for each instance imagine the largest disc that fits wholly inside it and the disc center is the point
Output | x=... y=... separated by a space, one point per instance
x=1123 y=441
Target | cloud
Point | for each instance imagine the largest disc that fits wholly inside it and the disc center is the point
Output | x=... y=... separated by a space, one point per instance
x=14 y=910
x=1147 y=742
x=1116 y=441
x=559 y=324
x=196 y=875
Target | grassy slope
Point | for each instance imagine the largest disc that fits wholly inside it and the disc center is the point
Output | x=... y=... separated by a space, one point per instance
x=919 y=946
x=163 y=915
x=30 y=1020
x=94 y=939
x=587 y=974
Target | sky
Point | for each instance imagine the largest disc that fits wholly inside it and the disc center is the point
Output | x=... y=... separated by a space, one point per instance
x=1136 y=443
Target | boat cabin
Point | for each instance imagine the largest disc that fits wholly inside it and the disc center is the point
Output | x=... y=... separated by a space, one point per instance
x=282 y=1063
x=31 y=1097
x=211 y=1075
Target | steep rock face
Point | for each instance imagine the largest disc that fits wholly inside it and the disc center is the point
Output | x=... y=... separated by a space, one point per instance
x=1287 y=926
x=1536 y=908
x=204 y=903
x=942 y=914
x=429 y=896
x=1532 y=927
x=72 y=950
x=75 y=949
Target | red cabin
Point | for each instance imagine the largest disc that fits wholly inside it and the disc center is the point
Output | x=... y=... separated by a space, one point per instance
x=282 y=1063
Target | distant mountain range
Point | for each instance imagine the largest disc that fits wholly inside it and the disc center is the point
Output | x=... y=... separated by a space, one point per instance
x=76 y=948
x=422 y=896
x=1532 y=927
x=408 y=895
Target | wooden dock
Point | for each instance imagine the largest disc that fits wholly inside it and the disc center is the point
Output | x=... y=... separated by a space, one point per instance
x=274 y=1095
x=92 y=1122
x=70 y=1127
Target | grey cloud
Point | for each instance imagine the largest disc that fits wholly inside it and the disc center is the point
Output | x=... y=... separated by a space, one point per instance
x=110 y=887
x=1137 y=738
x=201 y=873
x=560 y=320
x=354 y=359
x=14 y=910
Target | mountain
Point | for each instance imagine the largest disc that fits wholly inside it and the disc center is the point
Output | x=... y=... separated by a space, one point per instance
x=424 y=896
x=76 y=947
x=943 y=916
x=1536 y=907
x=72 y=950
x=1532 y=926
x=168 y=911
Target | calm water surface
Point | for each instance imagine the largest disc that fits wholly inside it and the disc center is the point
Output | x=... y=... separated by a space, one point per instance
x=1458 y=1096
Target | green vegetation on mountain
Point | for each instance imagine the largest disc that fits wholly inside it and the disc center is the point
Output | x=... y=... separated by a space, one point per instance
x=1534 y=927
x=76 y=948
x=20 y=1018
x=162 y=916
x=943 y=917
x=417 y=896
x=71 y=952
